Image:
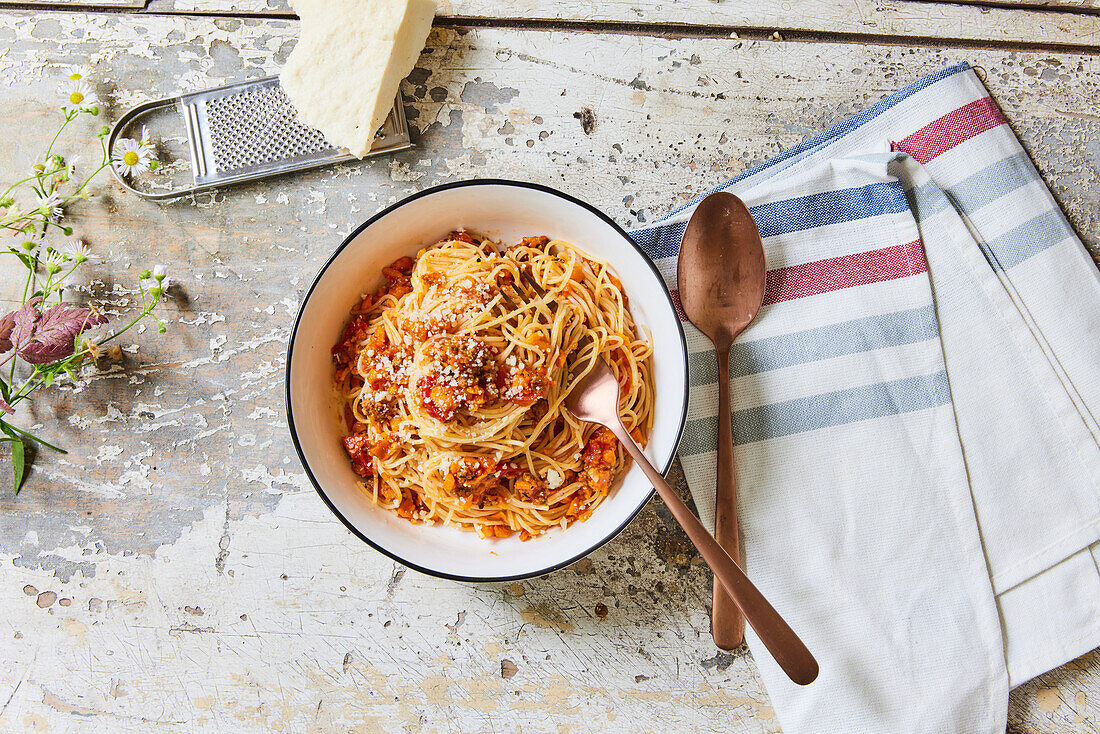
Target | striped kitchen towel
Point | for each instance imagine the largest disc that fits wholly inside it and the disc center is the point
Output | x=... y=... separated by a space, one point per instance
x=918 y=455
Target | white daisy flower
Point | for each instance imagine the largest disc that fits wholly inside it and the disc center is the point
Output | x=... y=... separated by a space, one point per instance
x=160 y=274
x=77 y=93
x=65 y=167
x=78 y=252
x=53 y=261
x=68 y=169
x=29 y=242
x=78 y=72
x=130 y=157
x=50 y=206
x=146 y=144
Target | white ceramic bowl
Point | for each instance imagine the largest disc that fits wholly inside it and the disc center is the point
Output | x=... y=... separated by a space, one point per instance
x=504 y=210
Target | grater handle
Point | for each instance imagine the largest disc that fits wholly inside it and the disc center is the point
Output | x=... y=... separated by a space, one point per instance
x=130 y=116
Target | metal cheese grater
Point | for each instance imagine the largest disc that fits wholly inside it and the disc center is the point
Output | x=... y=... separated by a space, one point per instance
x=246 y=131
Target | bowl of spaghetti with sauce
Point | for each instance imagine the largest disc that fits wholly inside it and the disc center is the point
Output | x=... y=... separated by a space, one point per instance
x=428 y=367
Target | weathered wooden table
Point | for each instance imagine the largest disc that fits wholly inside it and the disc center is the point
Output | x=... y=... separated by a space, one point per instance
x=176 y=571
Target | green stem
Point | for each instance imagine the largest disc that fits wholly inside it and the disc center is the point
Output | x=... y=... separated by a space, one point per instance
x=61 y=280
x=19 y=394
x=33 y=437
x=26 y=286
x=69 y=117
x=144 y=312
x=30 y=178
x=88 y=179
x=34 y=277
x=105 y=161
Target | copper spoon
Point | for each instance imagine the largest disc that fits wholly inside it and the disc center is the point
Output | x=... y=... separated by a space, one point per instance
x=595 y=398
x=721 y=275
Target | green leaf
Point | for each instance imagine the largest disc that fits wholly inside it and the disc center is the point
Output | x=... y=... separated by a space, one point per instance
x=8 y=428
x=18 y=458
x=18 y=454
x=4 y=390
x=27 y=260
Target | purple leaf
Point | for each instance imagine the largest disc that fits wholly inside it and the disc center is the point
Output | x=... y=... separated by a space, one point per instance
x=6 y=408
x=7 y=323
x=54 y=334
x=24 y=320
x=18 y=326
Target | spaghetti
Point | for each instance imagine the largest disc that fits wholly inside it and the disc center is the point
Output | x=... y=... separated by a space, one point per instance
x=454 y=374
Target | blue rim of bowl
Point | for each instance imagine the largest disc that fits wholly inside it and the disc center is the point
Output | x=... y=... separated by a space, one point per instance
x=294 y=333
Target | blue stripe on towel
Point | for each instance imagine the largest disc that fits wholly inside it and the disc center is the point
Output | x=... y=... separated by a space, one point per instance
x=794 y=215
x=836 y=408
x=824 y=342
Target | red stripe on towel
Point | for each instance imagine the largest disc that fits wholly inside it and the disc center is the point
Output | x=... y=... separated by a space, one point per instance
x=847 y=271
x=838 y=273
x=955 y=127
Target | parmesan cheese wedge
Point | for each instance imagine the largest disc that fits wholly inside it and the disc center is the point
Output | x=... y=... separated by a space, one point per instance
x=349 y=62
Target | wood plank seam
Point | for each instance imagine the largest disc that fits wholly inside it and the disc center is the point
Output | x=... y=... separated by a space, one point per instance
x=1047 y=7
x=656 y=30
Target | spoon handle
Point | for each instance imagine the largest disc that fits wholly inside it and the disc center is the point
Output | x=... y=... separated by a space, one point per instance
x=781 y=641
x=727 y=625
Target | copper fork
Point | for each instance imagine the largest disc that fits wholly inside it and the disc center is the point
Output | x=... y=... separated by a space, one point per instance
x=595 y=398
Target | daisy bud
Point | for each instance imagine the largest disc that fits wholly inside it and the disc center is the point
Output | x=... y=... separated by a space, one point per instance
x=104 y=131
x=159 y=271
x=145 y=275
x=6 y=201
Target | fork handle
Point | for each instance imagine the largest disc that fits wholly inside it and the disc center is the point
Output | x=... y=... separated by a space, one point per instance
x=781 y=641
x=727 y=624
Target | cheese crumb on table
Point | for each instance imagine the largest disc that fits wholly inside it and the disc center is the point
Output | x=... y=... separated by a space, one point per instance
x=351 y=56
